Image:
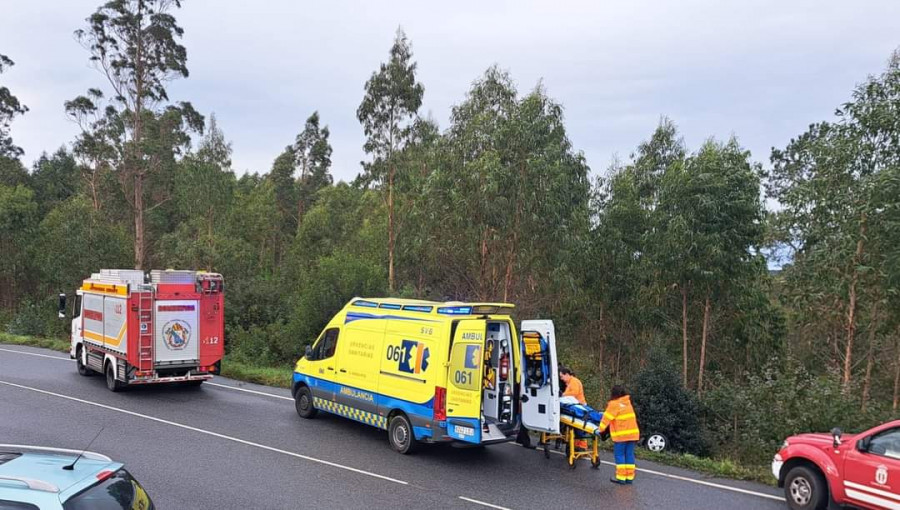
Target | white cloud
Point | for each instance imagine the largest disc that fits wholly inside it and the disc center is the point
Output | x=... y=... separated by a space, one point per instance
x=760 y=70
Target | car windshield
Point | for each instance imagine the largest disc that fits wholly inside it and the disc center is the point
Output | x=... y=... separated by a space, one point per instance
x=118 y=492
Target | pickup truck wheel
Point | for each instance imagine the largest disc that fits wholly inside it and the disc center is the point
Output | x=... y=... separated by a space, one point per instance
x=303 y=403
x=805 y=489
x=79 y=364
x=400 y=434
x=111 y=383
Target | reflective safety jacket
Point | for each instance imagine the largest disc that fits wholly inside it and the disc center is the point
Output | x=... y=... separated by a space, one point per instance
x=619 y=417
x=574 y=388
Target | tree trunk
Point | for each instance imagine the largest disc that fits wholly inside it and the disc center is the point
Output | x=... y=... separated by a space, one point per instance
x=137 y=150
x=897 y=380
x=138 y=220
x=391 y=229
x=870 y=357
x=851 y=308
x=684 y=335
x=703 y=337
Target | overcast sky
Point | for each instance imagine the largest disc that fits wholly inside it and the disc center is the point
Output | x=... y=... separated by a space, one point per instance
x=761 y=70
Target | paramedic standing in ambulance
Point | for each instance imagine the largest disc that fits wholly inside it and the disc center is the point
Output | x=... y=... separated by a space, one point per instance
x=574 y=388
x=623 y=430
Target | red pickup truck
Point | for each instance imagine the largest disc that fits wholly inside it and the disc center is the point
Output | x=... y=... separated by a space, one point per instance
x=858 y=470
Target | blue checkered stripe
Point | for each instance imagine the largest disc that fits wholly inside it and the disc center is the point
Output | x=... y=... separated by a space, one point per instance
x=350 y=412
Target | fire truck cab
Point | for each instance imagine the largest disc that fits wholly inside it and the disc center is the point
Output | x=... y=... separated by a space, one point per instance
x=821 y=471
x=136 y=328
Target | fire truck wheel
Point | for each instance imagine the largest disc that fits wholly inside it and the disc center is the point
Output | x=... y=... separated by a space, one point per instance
x=400 y=434
x=303 y=402
x=79 y=364
x=111 y=383
x=805 y=489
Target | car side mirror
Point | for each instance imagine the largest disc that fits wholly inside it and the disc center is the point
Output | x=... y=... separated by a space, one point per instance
x=308 y=353
x=62 y=306
x=863 y=445
x=836 y=436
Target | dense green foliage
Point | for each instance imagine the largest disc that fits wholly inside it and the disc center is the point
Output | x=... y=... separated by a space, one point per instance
x=657 y=273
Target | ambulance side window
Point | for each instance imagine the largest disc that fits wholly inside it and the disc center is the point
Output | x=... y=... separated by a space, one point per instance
x=327 y=345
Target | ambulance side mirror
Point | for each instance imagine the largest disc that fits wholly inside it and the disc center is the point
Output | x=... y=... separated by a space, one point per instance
x=836 y=436
x=62 y=306
x=308 y=353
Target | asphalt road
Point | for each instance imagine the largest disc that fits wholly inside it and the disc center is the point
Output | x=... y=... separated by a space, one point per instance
x=230 y=444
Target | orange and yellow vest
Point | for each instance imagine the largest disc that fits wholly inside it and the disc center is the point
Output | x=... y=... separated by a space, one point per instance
x=619 y=417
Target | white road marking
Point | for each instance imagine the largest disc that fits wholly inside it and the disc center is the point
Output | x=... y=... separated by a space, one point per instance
x=209 y=433
x=691 y=480
x=482 y=503
x=249 y=391
x=209 y=383
x=36 y=354
x=644 y=470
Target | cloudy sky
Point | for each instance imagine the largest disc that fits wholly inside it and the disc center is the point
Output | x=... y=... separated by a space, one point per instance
x=761 y=70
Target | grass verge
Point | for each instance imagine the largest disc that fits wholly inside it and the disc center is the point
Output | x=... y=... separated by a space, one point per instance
x=280 y=376
x=47 y=343
x=270 y=376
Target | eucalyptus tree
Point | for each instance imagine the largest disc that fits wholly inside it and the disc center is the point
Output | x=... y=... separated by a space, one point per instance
x=387 y=113
x=135 y=45
x=10 y=107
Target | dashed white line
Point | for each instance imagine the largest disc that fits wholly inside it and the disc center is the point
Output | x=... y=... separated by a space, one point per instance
x=482 y=503
x=691 y=480
x=250 y=391
x=209 y=433
x=36 y=354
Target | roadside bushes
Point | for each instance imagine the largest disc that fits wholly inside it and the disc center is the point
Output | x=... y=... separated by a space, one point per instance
x=37 y=318
x=664 y=406
x=748 y=419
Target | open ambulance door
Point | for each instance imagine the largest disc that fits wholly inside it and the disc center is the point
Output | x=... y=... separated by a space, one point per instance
x=465 y=374
x=539 y=393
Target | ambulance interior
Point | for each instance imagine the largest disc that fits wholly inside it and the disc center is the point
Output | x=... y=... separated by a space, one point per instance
x=497 y=388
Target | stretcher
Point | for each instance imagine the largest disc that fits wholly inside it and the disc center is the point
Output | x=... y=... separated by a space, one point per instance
x=576 y=422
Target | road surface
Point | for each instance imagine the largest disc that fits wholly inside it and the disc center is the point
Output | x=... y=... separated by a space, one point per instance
x=230 y=444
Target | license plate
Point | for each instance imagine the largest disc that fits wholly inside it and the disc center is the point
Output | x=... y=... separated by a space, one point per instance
x=463 y=431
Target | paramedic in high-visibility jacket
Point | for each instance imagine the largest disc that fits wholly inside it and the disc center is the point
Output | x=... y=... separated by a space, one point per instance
x=623 y=430
x=574 y=388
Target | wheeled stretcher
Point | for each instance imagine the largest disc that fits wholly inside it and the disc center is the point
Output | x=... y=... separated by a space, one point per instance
x=577 y=422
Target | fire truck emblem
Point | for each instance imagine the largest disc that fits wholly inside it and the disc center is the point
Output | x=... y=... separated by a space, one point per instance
x=881 y=475
x=177 y=334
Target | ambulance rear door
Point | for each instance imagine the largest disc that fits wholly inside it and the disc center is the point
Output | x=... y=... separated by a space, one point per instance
x=539 y=393
x=465 y=374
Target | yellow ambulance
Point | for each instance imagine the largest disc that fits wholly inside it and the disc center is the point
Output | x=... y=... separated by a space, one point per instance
x=432 y=372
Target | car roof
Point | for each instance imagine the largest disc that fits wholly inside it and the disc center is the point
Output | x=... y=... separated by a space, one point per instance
x=36 y=475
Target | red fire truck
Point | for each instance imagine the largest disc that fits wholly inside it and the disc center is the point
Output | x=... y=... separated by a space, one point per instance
x=136 y=328
x=821 y=471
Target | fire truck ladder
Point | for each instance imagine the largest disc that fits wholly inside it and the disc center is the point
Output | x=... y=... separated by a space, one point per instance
x=145 y=335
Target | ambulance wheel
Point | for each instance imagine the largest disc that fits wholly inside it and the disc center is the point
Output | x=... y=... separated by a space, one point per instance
x=303 y=403
x=79 y=363
x=111 y=382
x=400 y=434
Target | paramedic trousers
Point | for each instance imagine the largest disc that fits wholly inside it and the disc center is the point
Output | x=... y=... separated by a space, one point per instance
x=624 y=454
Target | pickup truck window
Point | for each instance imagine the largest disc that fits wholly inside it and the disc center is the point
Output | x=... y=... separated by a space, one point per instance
x=886 y=444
